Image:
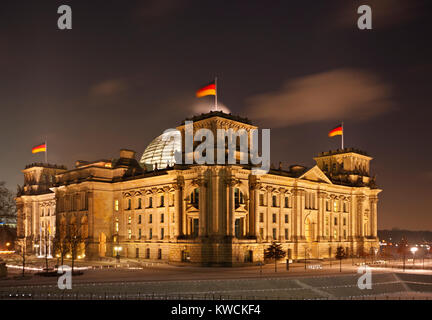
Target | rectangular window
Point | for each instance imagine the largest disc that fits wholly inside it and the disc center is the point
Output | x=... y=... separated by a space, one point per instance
x=139 y=234
x=162 y=201
x=129 y=220
x=116 y=205
x=286 y=234
x=335 y=221
x=129 y=204
x=139 y=203
x=261 y=217
x=274 y=201
x=261 y=199
x=286 y=218
x=335 y=206
x=129 y=234
x=286 y=202
x=162 y=233
x=274 y=217
x=150 y=218
x=148 y=253
x=327 y=205
x=117 y=225
x=344 y=221
x=136 y=252
x=159 y=254
x=262 y=233
x=151 y=233
x=150 y=202
x=237 y=226
x=162 y=218
x=139 y=219
x=344 y=233
x=274 y=233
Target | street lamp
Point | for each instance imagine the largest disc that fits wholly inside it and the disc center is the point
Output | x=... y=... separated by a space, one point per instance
x=36 y=246
x=117 y=249
x=413 y=251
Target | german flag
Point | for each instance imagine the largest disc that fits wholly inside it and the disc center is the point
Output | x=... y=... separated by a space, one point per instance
x=39 y=148
x=337 y=131
x=208 y=90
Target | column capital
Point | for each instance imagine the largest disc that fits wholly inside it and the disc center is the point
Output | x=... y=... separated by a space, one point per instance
x=231 y=181
x=255 y=185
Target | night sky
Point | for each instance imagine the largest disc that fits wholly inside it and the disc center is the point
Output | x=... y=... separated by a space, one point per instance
x=129 y=70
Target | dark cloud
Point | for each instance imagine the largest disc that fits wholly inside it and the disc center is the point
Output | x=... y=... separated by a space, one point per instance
x=108 y=87
x=333 y=95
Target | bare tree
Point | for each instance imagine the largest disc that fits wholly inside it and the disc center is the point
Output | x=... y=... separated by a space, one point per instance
x=75 y=240
x=21 y=243
x=7 y=204
x=61 y=246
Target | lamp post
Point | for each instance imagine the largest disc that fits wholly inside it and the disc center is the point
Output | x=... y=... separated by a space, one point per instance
x=36 y=246
x=117 y=249
x=413 y=251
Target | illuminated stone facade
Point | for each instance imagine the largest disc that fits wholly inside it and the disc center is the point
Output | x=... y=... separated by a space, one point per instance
x=216 y=214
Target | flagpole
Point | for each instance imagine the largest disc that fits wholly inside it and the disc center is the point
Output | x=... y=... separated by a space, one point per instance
x=342 y=136
x=216 y=102
x=46 y=151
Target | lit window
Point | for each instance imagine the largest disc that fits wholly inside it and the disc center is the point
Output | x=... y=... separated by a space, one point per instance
x=335 y=206
x=117 y=225
x=129 y=234
x=129 y=220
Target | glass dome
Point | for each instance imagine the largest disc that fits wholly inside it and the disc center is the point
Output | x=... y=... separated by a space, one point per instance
x=161 y=151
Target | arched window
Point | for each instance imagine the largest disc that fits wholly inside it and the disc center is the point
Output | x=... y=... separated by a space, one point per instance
x=194 y=198
x=238 y=197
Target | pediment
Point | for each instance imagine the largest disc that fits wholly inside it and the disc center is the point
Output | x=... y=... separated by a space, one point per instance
x=315 y=174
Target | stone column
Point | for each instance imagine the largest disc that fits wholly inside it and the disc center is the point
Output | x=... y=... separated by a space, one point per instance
x=202 y=206
x=321 y=211
x=281 y=217
x=178 y=206
x=168 y=219
x=268 y=221
x=373 y=216
x=360 y=218
x=230 y=182
x=253 y=209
